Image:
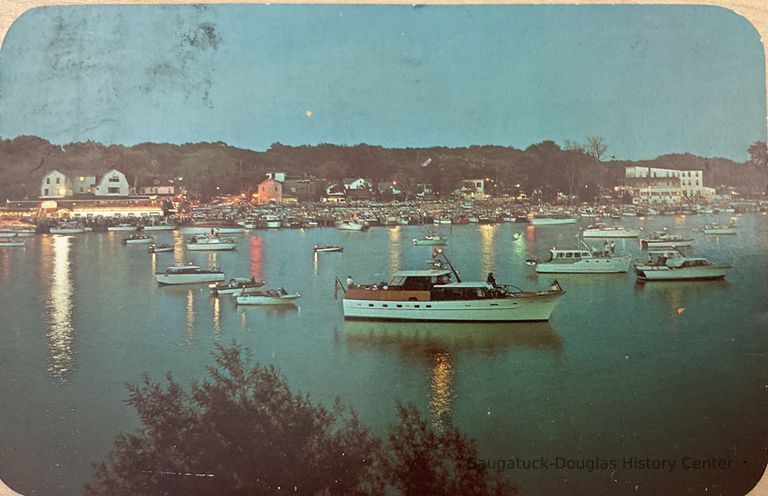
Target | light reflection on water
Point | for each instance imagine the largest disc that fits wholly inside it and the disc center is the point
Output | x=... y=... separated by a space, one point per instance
x=60 y=332
x=190 y=318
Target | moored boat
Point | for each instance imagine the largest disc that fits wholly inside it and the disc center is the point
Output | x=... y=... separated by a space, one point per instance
x=583 y=262
x=431 y=239
x=662 y=239
x=121 y=228
x=327 y=248
x=137 y=238
x=681 y=269
x=430 y=295
x=68 y=228
x=351 y=225
x=549 y=220
x=162 y=248
x=236 y=285
x=268 y=297
x=612 y=231
x=720 y=229
x=12 y=243
x=212 y=228
x=206 y=242
x=159 y=226
x=189 y=274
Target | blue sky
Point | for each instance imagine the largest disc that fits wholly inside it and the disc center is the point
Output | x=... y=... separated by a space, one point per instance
x=648 y=79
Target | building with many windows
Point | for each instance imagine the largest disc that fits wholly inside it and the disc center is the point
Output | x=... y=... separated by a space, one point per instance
x=654 y=185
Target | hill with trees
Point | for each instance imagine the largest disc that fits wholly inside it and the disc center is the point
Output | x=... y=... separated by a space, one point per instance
x=204 y=167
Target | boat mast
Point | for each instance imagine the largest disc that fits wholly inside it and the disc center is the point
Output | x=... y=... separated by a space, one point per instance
x=436 y=252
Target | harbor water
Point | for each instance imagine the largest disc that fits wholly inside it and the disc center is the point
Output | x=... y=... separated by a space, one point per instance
x=651 y=389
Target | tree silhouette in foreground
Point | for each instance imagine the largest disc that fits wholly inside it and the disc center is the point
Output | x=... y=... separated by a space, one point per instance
x=243 y=431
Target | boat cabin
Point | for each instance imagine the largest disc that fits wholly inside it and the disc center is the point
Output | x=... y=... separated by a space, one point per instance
x=405 y=285
x=679 y=263
x=572 y=256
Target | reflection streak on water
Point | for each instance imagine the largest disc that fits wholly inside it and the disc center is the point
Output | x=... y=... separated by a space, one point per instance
x=243 y=320
x=190 y=318
x=315 y=262
x=394 y=248
x=216 y=318
x=441 y=398
x=178 y=248
x=5 y=266
x=60 y=329
x=255 y=257
x=488 y=258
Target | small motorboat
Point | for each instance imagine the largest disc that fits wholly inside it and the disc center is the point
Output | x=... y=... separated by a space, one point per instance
x=68 y=228
x=681 y=268
x=138 y=239
x=663 y=239
x=606 y=231
x=327 y=248
x=431 y=239
x=268 y=297
x=236 y=285
x=351 y=225
x=164 y=248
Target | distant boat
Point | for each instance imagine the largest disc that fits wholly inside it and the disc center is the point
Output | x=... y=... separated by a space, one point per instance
x=269 y=297
x=121 y=227
x=549 y=220
x=661 y=239
x=722 y=229
x=236 y=285
x=606 y=231
x=350 y=225
x=158 y=226
x=12 y=243
x=188 y=274
x=206 y=242
x=272 y=221
x=68 y=228
x=431 y=239
x=327 y=248
x=135 y=239
x=153 y=248
x=212 y=228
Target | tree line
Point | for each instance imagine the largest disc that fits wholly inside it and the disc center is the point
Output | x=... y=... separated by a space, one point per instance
x=210 y=168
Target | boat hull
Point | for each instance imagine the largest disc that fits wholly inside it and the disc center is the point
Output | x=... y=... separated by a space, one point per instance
x=685 y=243
x=664 y=273
x=16 y=234
x=174 y=279
x=67 y=230
x=429 y=242
x=523 y=308
x=345 y=226
x=597 y=265
x=12 y=244
x=721 y=231
x=144 y=241
x=121 y=228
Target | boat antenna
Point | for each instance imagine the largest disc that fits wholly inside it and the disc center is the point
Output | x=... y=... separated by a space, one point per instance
x=437 y=252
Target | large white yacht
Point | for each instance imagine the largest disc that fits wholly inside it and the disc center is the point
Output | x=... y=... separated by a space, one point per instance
x=609 y=231
x=432 y=295
x=583 y=262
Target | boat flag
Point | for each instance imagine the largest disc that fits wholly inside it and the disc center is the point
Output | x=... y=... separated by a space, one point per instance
x=426 y=162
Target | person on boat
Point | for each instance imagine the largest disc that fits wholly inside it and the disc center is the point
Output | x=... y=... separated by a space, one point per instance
x=606 y=248
x=491 y=280
x=253 y=279
x=349 y=280
x=283 y=292
x=613 y=247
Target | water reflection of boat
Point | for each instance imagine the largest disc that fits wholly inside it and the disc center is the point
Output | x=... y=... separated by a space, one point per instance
x=451 y=336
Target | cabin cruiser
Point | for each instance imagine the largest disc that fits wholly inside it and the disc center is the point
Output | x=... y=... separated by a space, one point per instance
x=432 y=295
x=327 y=248
x=268 y=297
x=158 y=226
x=583 y=261
x=272 y=221
x=722 y=229
x=680 y=268
x=662 y=239
x=137 y=238
x=351 y=225
x=236 y=285
x=163 y=248
x=207 y=242
x=606 y=231
x=16 y=229
x=189 y=274
x=431 y=239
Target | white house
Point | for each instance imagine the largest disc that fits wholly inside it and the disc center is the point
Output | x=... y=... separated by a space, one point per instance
x=113 y=183
x=473 y=189
x=55 y=184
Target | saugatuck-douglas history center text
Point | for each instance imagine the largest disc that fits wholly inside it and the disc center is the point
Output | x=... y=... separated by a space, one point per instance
x=599 y=463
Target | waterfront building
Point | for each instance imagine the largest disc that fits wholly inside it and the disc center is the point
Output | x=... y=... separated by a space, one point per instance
x=57 y=184
x=655 y=185
x=473 y=189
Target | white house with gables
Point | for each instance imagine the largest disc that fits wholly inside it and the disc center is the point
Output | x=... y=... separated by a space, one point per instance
x=56 y=184
x=113 y=183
